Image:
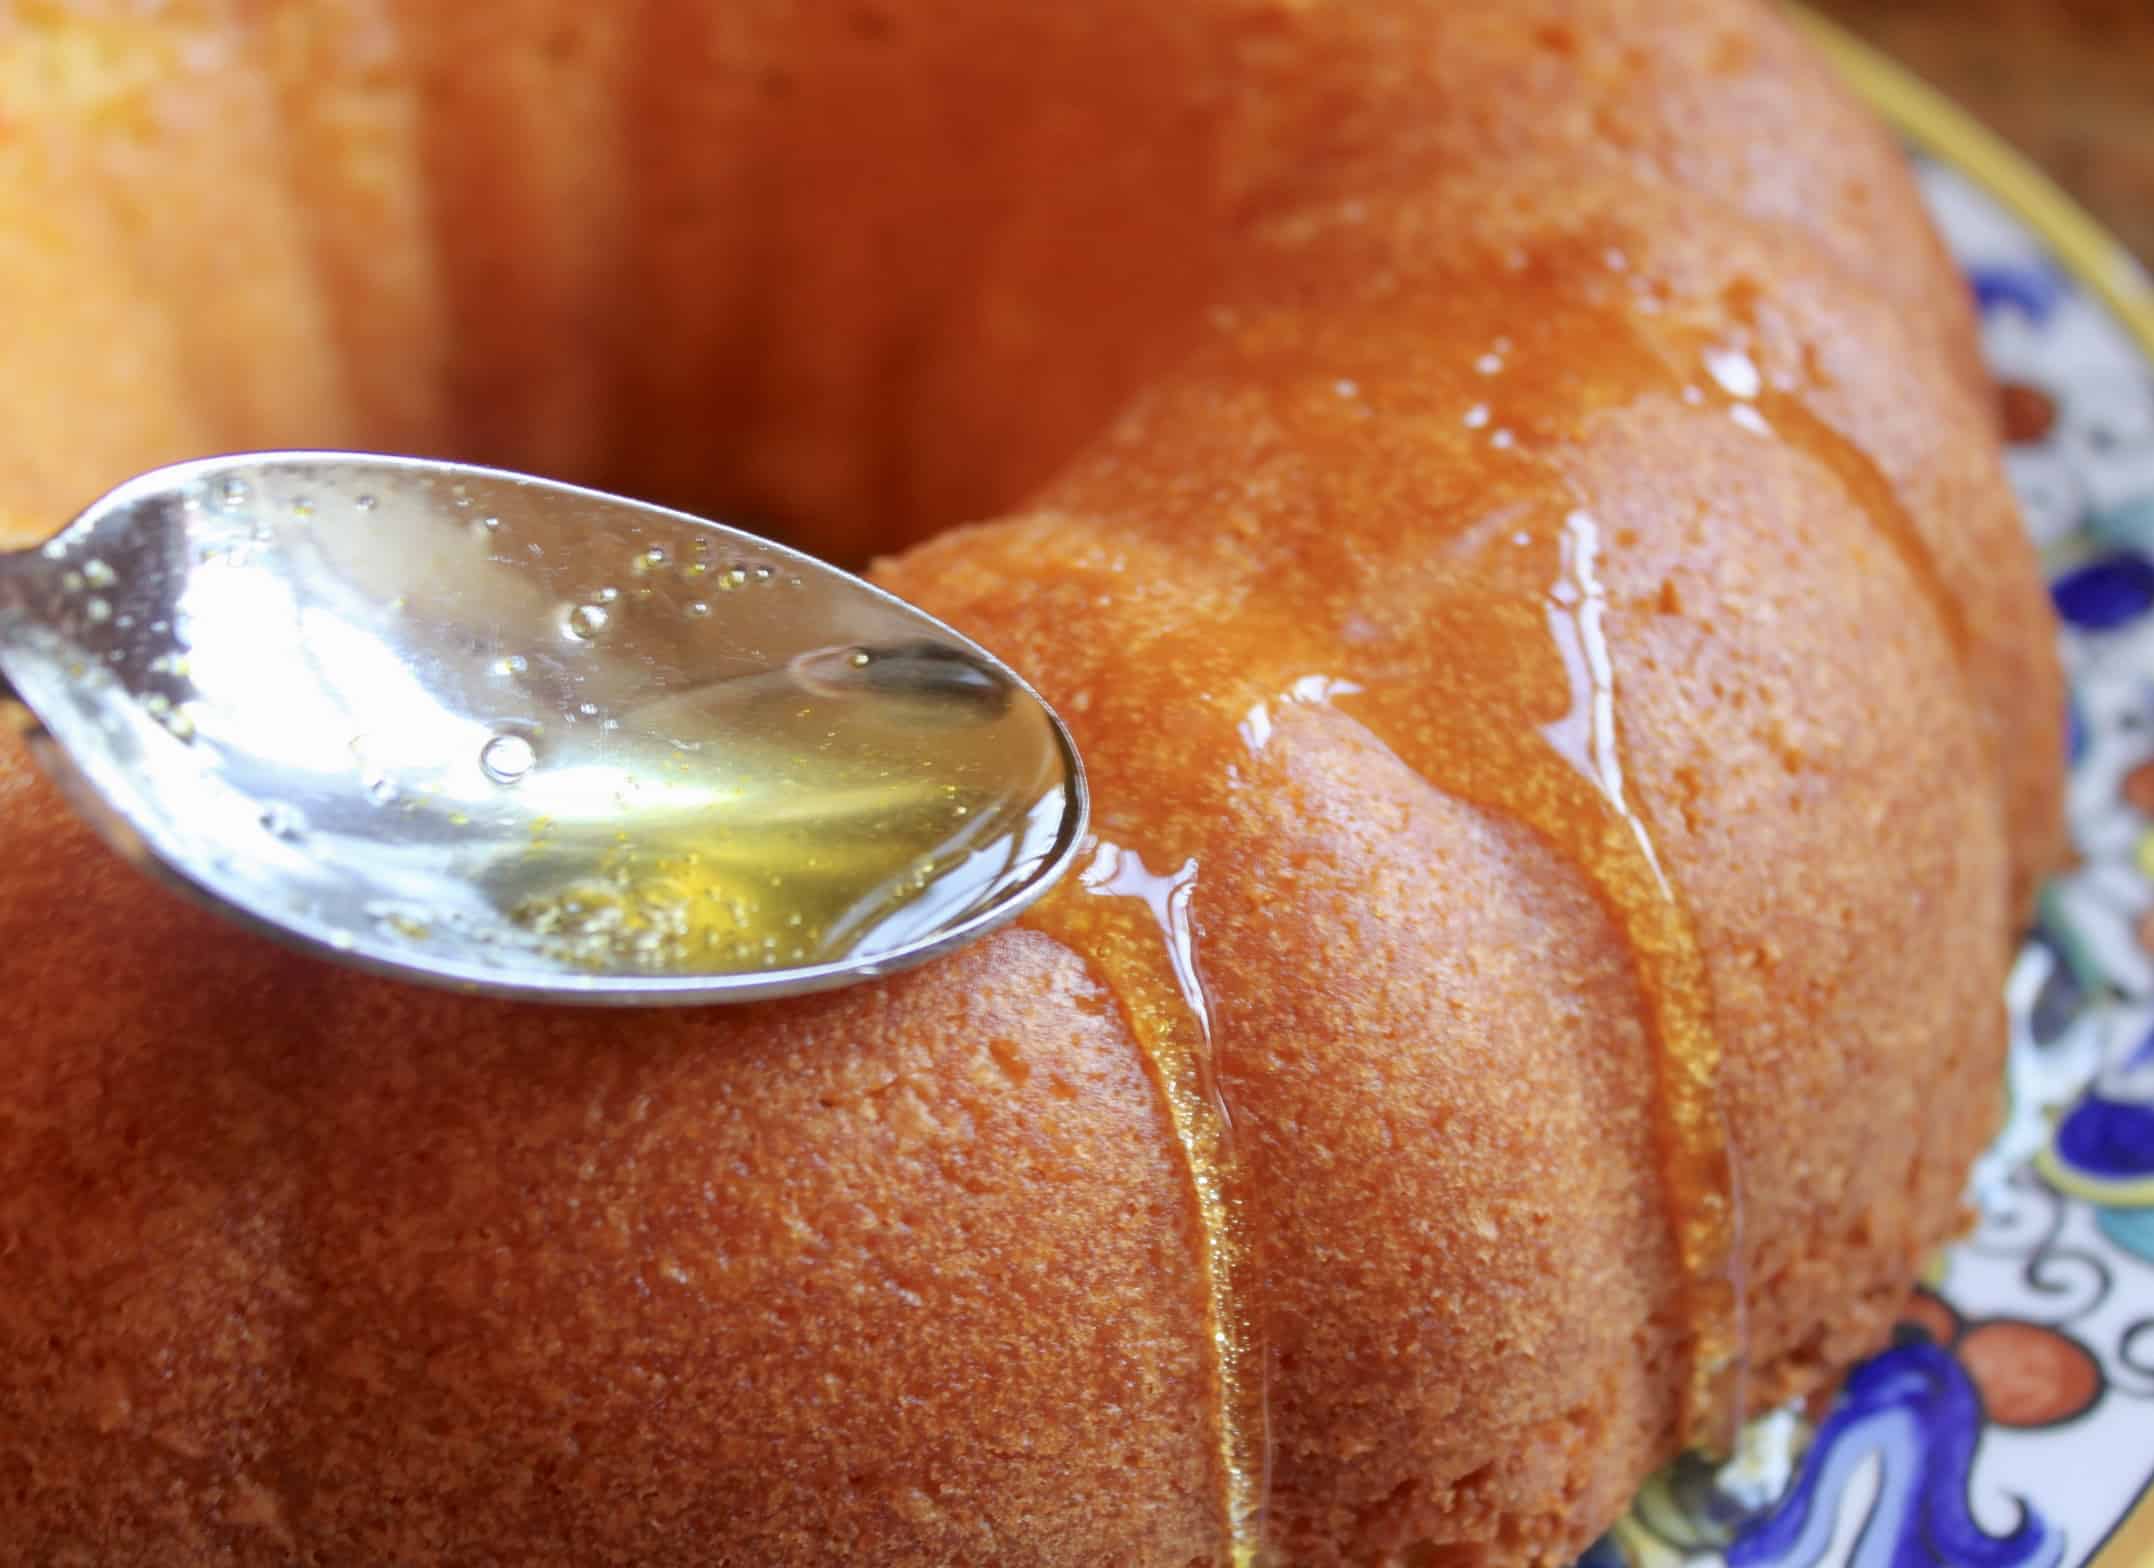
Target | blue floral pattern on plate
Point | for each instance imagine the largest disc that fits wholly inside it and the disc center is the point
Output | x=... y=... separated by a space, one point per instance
x=1911 y=1417
x=2011 y=1424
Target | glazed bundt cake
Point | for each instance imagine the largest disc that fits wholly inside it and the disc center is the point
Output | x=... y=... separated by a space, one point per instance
x=1502 y=491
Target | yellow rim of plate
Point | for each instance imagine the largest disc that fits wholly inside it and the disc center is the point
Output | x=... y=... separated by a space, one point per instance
x=1940 y=127
x=1933 y=122
x=2131 y=1543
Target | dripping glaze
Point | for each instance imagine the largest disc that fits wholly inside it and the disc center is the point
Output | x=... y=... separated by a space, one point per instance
x=1134 y=927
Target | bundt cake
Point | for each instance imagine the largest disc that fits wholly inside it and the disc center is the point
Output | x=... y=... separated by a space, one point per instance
x=1502 y=491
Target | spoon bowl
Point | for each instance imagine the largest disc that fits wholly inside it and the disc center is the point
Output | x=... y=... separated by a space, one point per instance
x=483 y=730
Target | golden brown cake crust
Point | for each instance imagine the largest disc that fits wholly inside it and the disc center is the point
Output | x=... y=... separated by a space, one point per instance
x=1467 y=464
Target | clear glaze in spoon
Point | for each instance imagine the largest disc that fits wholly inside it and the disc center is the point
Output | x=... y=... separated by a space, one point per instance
x=484 y=730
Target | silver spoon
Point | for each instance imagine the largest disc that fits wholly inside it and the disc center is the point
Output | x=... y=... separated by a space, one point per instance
x=488 y=731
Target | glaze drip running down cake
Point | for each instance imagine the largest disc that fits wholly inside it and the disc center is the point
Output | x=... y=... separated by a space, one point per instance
x=1504 y=495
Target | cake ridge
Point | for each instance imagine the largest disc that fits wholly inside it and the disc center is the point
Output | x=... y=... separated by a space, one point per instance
x=1530 y=598
x=1675 y=1009
x=1698 y=1162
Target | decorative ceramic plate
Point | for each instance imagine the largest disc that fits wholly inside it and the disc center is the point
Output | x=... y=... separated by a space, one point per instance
x=2011 y=1423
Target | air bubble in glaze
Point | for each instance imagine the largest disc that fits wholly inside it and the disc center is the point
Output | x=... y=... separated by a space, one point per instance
x=586 y=622
x=507 y=758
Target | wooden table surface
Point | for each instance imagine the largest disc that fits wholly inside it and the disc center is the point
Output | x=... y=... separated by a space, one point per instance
x=2068 y=82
